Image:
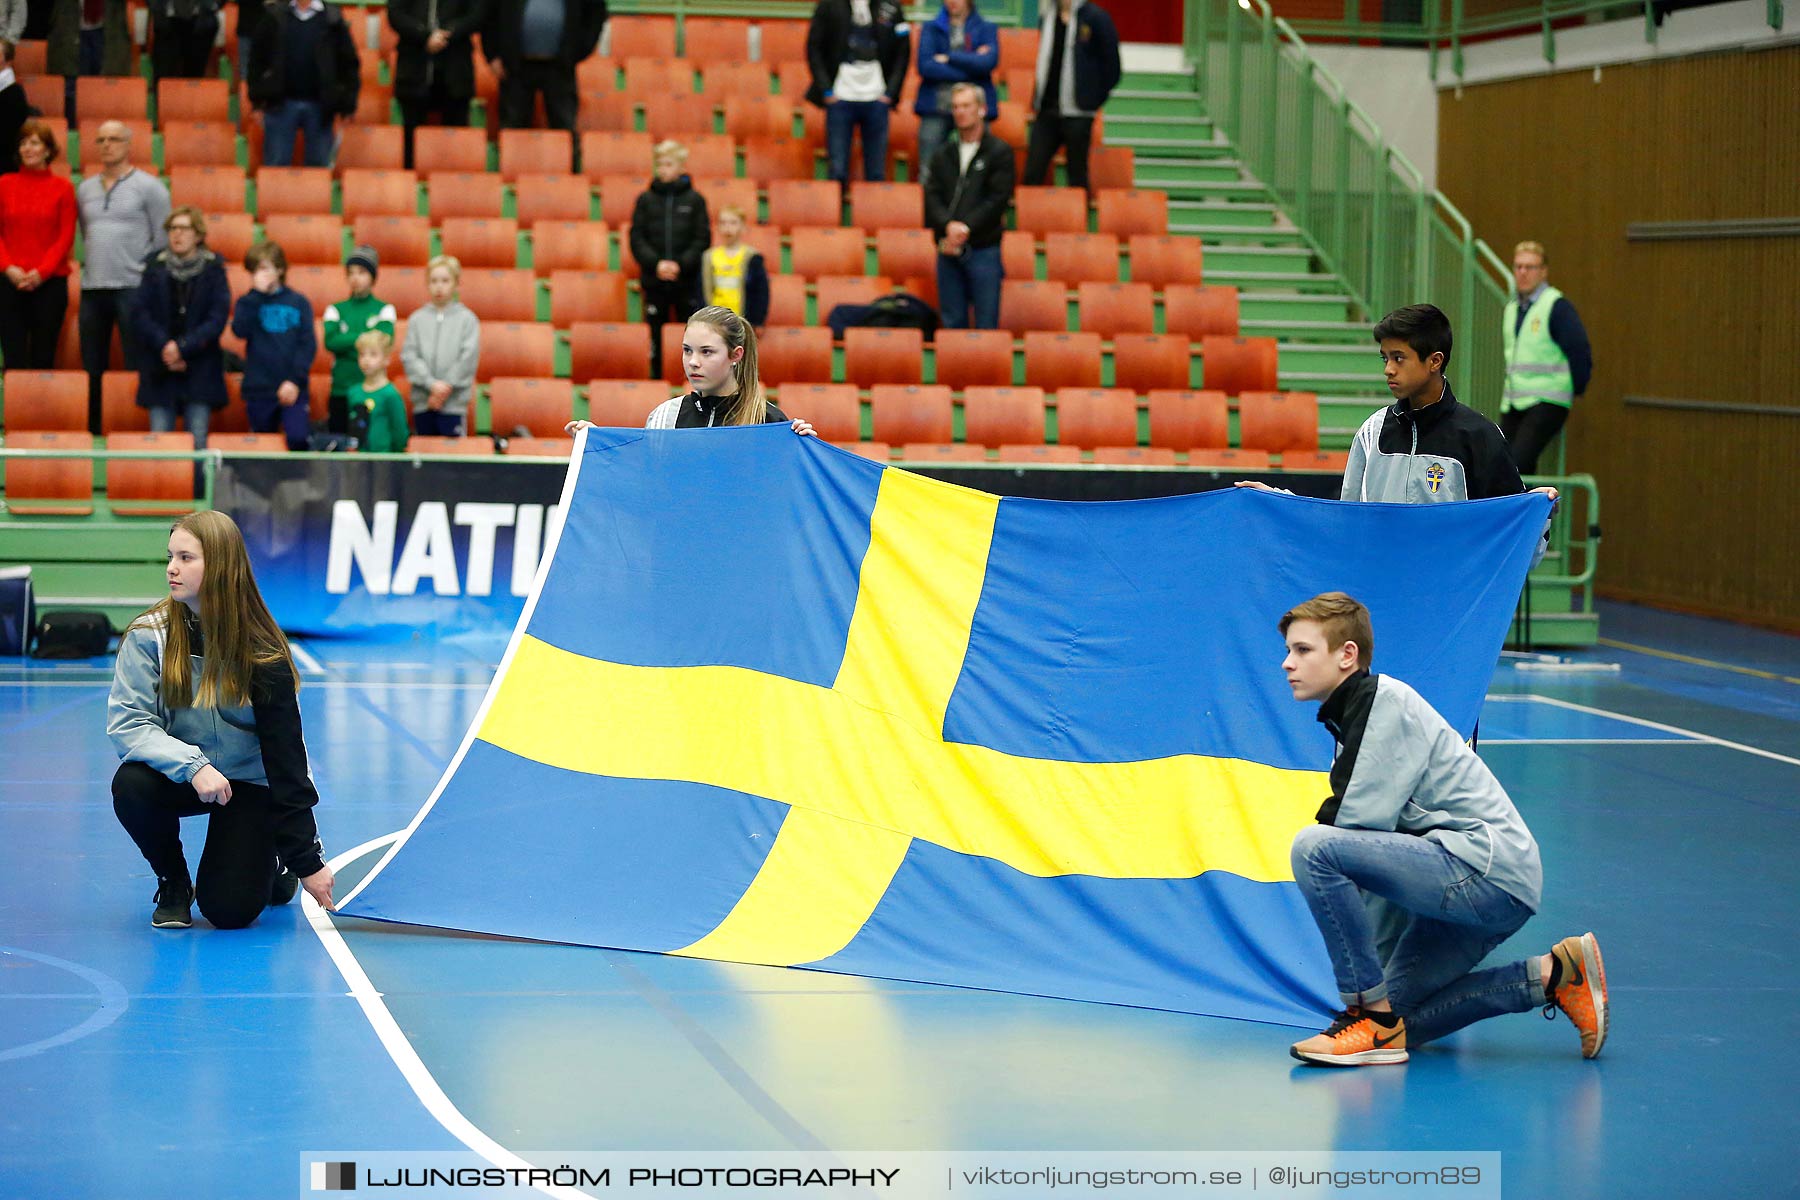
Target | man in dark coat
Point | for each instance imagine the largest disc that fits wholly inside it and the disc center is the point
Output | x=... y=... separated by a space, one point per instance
x=434 y=69
x=304 y=72
x=534 y=47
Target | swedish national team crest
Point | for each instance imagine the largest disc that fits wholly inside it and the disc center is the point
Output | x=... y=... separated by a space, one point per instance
x=1434 y=477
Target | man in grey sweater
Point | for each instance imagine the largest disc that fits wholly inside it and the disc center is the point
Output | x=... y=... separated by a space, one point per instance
x=1419 y=837
x=122 y=214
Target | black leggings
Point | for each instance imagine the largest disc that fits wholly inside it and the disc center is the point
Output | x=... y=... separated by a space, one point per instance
x=237 y=868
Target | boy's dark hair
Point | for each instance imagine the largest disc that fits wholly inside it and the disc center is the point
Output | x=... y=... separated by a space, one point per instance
x=1342 y=618
x=1424 y=327
x=266 y=252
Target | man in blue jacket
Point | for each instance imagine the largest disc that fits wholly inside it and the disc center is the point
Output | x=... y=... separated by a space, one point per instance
x=1077 y=69
x=959 y=45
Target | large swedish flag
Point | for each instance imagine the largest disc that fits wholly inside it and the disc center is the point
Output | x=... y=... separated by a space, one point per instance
x=774 y=703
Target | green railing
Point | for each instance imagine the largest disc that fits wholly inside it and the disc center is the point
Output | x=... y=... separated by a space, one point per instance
x=1365 y=209
x=1446 y=26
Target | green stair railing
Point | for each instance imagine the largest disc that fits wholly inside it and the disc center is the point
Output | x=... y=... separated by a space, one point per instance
x=1362 y=207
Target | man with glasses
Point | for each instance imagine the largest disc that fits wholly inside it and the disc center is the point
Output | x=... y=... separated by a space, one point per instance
x=122 y=213
x=1548 y=359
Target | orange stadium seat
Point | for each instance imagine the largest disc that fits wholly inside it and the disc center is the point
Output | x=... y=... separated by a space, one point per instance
x=210 y=189
x=1238 y=365
x=783 y=41
x=609 y=350
x=905 y=253
x=796 y=355
x=482 y=241
x=500 y=294
x=1123 y=212
x=1197 y=312
x=654 y=77
x=1161 y=261
x=618 y=199
x=569 y=245
x=1278 y=421
x=230 y=235
x=46 y=400
x=557 y=446
x=401 y=241
x=1135 y=456
x=749 y=115
x=440 y=148
x=1145 y=362
x=374 y=103
x=769 y=159
x=555 y=197
x=119 y=411
x=1059 y=360
x=612 y=113
x=1110 y=309
x=740 y=194
x=594 y=76
x=616 y=153
x=113 y=97
x=1028 y=304
x=49 y=486
x=198 y=144
x=677 y=115
x=1081 y=257
x=1187 y=420
x=534 y=152
x=1018 y=255
x=811 y=202
x=150 y=487
x=1110 y=166
x=1018 y=48
x=1229 y=460
x=911 y=412
x=374 y=191
x=942 y=452
x=1315 y=460
x=427 y=444
x=827 y=251
x=645 y=36
x=878 y=451
x=874 y=356
x=248 y=443
x=523 y=348
x=193 y=100
x=716 y=39
x=625 y=402
x=711 y=156
x=1003 y=416
x=322 y=284
x=308 y=238
x=973 y=358
x=1090 y=417
x=1040 y=454
x=586 y=296
x=461 y=194
x=293 y=190
x=1046 y=210
x=832 y=408
x=787 y=300
x=381 y=146
x=543 y=406
x=887 y=205
x=833 y=290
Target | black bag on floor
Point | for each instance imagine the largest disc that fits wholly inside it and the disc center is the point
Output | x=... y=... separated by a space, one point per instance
x=73 y=634
x=18 y=610
x=900 y=310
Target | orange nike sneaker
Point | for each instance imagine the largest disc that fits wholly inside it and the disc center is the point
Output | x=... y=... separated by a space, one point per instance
x=1354 y=1040
x=1581 y=992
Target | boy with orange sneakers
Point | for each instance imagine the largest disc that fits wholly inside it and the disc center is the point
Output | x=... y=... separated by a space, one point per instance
x=1416 y=820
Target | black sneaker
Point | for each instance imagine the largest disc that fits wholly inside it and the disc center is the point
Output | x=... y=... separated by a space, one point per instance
x=284 y=887
x=174 y=903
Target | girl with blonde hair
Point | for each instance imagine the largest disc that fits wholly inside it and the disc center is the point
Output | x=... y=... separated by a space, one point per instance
x=205 y=713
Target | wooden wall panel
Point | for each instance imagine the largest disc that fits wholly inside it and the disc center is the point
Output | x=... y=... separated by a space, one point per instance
x=1699 y=510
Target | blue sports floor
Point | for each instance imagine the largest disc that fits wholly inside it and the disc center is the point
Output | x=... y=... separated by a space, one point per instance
x=151 y=1064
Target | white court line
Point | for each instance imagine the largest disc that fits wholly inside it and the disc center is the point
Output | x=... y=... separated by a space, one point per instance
x=1668 y=741
x=304 y=657
x=412 y=1067
x=1647 y=724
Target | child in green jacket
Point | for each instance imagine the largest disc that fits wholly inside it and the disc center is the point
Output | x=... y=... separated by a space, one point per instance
x=377 y=413
x=348 y=320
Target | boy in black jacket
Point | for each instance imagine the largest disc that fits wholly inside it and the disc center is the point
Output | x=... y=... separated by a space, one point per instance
x=968 y=188
x=670 y=231
x=858 y=51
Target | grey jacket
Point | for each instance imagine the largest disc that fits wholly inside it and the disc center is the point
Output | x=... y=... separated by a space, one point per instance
x=1401 y=768
x=442 y=343
x=120 y=228
x=179 y=742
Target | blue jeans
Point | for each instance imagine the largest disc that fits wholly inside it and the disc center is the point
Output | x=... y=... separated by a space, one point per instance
x=843 y=116
x=438 y=423
x=269 y=415
x=198 y=414
x=970 y=280
x=284 y=119
x=1449 y=918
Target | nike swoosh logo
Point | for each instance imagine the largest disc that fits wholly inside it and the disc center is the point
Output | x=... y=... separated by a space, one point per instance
x=1383 y=1042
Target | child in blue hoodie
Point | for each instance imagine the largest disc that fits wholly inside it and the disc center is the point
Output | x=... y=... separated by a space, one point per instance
x=276 y=323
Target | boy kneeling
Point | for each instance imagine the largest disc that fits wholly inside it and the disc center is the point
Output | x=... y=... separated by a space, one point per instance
x=1416 y=821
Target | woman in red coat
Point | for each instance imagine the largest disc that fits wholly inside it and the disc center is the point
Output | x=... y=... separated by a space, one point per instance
x=37 y=231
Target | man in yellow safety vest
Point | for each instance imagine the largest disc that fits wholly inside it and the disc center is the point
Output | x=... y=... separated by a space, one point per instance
x=1548 y=359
